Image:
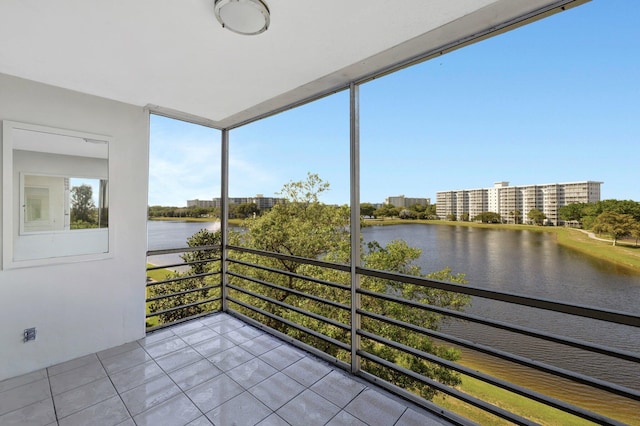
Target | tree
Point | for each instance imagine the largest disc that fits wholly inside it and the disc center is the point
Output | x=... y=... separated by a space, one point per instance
x=516 y=216
x=572 y=212
x=83 y=209
x=367 y=209
x=488 y=217
x=387 y=210
x=307 y=228
x=615 y=224
x=635 y=232
x=245 y=210
x=536 y=216
x=407 y=214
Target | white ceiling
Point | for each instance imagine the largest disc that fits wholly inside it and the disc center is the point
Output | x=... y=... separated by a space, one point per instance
x=174 y=56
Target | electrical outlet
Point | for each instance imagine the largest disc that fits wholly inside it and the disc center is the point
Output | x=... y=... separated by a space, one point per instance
x=29 y=334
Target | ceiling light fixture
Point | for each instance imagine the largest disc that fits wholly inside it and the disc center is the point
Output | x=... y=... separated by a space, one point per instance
x=247 y=17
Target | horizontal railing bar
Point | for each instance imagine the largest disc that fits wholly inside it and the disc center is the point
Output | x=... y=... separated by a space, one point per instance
x=544 y=399
x=549 y=305
x=568 y=341
x=182 y=250
x=291 y=274
x=173 y=265
x=180 y=321
x=291 y=340
x=186 y=277
x=330 y=265
x=291 y=324
x=177 y=308
x=485 y=406
x=180 y=293
x=290 y=290
x=290 y=307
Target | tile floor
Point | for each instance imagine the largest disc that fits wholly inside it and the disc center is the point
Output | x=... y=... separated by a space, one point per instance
x=213 y=371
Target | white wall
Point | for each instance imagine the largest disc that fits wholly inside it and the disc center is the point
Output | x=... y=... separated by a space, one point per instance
x=79 y=308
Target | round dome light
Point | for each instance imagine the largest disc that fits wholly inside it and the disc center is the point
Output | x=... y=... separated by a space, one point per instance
x=247 y=17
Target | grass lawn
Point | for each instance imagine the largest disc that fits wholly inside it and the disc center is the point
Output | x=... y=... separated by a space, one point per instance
x=524 y=407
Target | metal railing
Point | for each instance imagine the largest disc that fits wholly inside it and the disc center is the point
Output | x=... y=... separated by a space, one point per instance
x=290 y=297
x=184 y=293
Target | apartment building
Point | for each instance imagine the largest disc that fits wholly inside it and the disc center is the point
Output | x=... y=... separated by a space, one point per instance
x=514 y=202
x=402 y=201
x=259 y=200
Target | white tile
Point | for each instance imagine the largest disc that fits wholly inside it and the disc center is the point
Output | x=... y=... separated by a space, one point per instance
x=251 y=373
x=314 y=409
x=338 y=388
x=413 y=418
x=214 y=319
x=82 y=397
x=198 y=335
x=72 y=364
x=155 y=337
x=18 y=381
x=226 y=326
x=200 y=421
x=214 y=392
x=77 y=377
x=277 y=390
x=178 y=359
x=118 y=350
x=37 y=414
x=135 y=376
x=176 y=411
x=273 y=420
x=282 y=356
x=111 y=412
x=165 y=347
x=194 y=374
x=243 y=410
x=345 y=419
x=307 y=371
x=22 y=396
x=213 y=346
x=261 y=344
x=152 y=393
x=243 y=334
x=230 y=358
x=375 y=408
x=186 y=327
x=125 y=360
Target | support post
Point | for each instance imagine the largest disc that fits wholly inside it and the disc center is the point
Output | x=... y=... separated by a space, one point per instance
x=354 y=107
x=224 y=214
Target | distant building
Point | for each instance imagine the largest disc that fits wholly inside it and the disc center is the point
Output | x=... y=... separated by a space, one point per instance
x=201 y=203
x=259 y=200
x=402 y=201
x=513 y=203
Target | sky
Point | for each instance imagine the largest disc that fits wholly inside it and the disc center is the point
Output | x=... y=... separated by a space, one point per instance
x=551 y=102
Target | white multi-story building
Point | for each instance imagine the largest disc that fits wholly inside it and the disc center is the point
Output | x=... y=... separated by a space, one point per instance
x=402 y=201
x=513 y=203
x=259 y=200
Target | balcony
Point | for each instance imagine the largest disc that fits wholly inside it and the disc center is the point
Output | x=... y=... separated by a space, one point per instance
x=213 y=370
x=320 y=321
